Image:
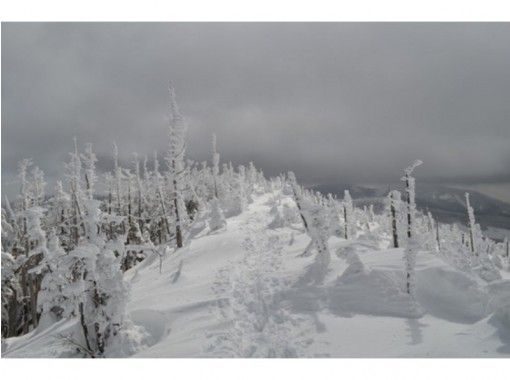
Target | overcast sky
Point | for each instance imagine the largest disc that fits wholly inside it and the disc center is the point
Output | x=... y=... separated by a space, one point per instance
x=347 y=102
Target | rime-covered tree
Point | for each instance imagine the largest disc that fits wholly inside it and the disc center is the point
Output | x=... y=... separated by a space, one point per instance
x=216 y=219
x=215 y=166
x=175 y=162
x=411 y=246
x=89 y=160
x=74 y=178
x=37 y=186
x=348 y=208
x=319 y=232
x=12 y=297
x=472 y=225
x=296 y=192
x=52 y=302
x=99 y=289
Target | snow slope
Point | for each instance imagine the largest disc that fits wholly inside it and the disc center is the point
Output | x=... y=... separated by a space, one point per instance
x=246 y=290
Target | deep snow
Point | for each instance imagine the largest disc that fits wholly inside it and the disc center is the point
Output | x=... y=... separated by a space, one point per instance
x=246 y=290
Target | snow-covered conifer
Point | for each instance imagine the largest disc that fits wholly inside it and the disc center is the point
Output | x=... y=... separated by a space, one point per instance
x=12 y=297
x=37 y=186
x=349 y=222
x=52 y=302
x=216 y=219
x=240 y=196
x=74 y=178
x=89 y=162
x=215 y=166
x=175 y=163
x=318 y=230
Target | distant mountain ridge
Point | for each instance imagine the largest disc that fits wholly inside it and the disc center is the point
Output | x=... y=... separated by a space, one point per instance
x=447 y=204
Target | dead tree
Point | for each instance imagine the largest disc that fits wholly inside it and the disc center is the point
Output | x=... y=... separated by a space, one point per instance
x=410 y=254
x=393 y=214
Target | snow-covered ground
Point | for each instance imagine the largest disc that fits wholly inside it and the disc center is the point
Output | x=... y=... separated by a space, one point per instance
x=246 y=290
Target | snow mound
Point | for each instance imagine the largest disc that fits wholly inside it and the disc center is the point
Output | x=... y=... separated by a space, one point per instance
x=451 y=295
x=362 y=290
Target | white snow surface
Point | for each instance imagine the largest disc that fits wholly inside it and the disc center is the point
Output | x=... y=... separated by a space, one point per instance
x=245 y=290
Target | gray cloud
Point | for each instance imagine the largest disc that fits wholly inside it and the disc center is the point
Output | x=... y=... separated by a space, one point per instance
x=344 y=102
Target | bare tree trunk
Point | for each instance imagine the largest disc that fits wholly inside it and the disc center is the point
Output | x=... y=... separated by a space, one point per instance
x=393 y=221
x=25 y=308
x=472 y=240
x=87 y=183
x=33 y=283
x=25 y=290
x=178 y=231
x=438 y=237
x=77 y=213
x=100 y=341
x=110 y=208
x=408 y=200
x=346 y=234
x=62 y=219
x=12 y=330
x=129 y=204
x=84 y=328
x=296 y=199
x=140 y=220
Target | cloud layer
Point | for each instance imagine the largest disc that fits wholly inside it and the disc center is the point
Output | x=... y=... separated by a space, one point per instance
x=347 y=102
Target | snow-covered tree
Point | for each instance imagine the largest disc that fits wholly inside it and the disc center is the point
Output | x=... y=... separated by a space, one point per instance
x=296 y=191
x=215 y=166
x=89 y=160
x=412 y=246
x=239 y=203
x=175 y=163
x=319 y=232
x=98 y=288
x=30 y=267
x=472 y=226
x=394 y=201
x=12 y=297
x=37 y=186
x=349 y=222
x=216 y=219
x=74 y=177
x=52 y=301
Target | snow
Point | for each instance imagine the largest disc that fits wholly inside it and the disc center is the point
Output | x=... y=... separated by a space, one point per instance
x=220 y=296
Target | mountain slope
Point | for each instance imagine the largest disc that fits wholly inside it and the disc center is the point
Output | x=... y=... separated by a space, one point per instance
x=247 y=291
